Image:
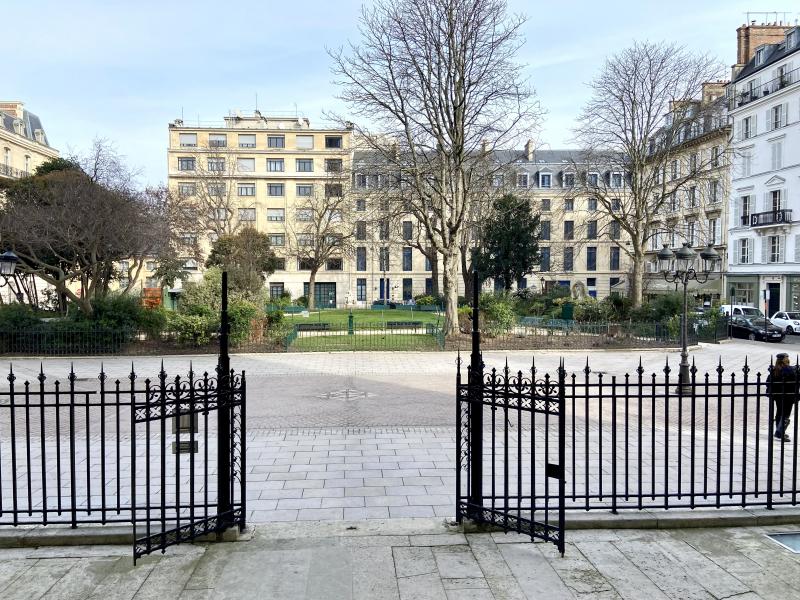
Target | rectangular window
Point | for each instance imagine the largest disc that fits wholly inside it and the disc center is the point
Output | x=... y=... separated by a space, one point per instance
x=497 y=181
x=304 y=190
x=569 y=230
x=713 y=191
x=304 y=264
x=569 y=204
x=304 y=165
x=691 y=197
x=544 y=230
x=216 y=189
x=276 y=141
x=615 y=230
x=776 y=200
x=714 y=231
x=745 y=251
x=776 y=151
x=383 y=230
x=333 y=141
x=304 y=215
x=545 y=204
x=333 y=165
x=691 y=233
x=334 y=264
x=429 y=286
x=221 y=214
x=304 y=142
x=276 y=215
x=151 y=265
x=693 y=162
x=408 y=288
x=247 y=189
x=613 y=262
x=408 y=230
x=361 y=230
x=333 y=190
x=746 y=205
x=247 y=140
x=747 y=163
x=775 y=249
x=591 y=286
x=673 y=169
x=428 y=264
x=776 y=116
x=407 y=259
x=591 y=258
x=275 y=165
x=187 y=140
x=247 y=214
x=383 y=259
x=361 y=205
x=217 y=140
x=275 y=290
x=187 y=189
x=522 y=180
x=591 y=204
x=569 y=180
x=616 y=204
x=361 y=180
x=277 y=239
x=216 y=165
x=274 y=189
x=592 y=179
x=361 y=289
x=591 y=230
x=280 y=264
x=616 y=180
x=361 y=258
x=305 y=239
x=568 y=259
x=185 y=163
x=544 y=259
x=545 y=179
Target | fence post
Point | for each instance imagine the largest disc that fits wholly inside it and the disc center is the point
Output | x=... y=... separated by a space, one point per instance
x=223 y=417
x=476 y=408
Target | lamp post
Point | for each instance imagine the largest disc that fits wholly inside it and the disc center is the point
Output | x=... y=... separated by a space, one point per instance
x=8 y=269
x=679 y=267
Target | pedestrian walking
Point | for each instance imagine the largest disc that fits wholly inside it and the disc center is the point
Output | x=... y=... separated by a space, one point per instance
x=782 y=390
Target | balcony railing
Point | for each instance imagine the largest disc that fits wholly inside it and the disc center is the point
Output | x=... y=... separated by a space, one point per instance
x=763 y=219
x=9 y=171
x=773 y=85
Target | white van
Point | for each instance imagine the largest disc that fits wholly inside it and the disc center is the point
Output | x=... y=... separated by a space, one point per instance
x=741 y=310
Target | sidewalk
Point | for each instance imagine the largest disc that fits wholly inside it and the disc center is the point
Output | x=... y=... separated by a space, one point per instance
x=416 y=559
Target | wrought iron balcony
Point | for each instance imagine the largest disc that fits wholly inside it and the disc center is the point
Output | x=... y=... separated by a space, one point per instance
x=8 y=171
x=773 y=85
x=765 y=219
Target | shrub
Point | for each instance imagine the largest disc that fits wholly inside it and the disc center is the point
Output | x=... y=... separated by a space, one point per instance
x=17 y=316
x=274 y=318
x=118 y=311
x=498 y=310
x=241 y=315
x=153 y=321
x=302 y=301
x=192 y=330
x=425 y=300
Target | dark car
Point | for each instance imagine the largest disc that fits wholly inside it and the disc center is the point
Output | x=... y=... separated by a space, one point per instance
x=753 y=329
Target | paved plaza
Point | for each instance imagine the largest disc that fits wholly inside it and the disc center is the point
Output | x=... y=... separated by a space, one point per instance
x=416 y=560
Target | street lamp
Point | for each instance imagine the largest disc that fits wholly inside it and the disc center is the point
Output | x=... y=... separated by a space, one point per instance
x=679 y=267
x=8 y=268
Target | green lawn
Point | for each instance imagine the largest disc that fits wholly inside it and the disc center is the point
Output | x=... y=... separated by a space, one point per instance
x=373 y=340
x=365 y=317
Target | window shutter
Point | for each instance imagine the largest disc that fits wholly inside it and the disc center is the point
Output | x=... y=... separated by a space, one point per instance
x=765 y=206
x=782 y=249
x=785 y=114
x=737 y=205
x=737 y=134
x=755 y=125
x=797 y=248
x=768 y=119
x=764 y=249
x=718 y=232
x=737 y=249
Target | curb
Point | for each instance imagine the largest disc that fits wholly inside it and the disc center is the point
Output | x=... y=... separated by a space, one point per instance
x=95 y=535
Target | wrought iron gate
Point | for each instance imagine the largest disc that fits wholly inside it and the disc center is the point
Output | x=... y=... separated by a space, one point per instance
x=190 y=436
x=517 y=483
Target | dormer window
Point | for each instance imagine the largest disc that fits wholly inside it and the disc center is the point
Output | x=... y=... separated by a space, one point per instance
x=792 y=38
x=569 y=180
x=761 y=54
x=592 y=179
x=545 y=180
x=522 y=180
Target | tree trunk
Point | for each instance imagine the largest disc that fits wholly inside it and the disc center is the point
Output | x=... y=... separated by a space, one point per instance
x=507 y=281
x=311 y=284
x=466 y=274
x=637 y=279
x=450 y=285
x=434 y=258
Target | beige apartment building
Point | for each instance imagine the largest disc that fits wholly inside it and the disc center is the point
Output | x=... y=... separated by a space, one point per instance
x=23 y=142
x=696 y=211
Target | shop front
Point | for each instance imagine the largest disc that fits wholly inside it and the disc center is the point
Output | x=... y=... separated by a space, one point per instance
x=743 y=289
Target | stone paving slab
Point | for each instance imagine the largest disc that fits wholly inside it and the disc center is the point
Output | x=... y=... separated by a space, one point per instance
x=417 y=559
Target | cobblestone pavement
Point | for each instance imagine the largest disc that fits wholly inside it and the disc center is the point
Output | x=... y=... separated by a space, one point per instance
x=417 y=560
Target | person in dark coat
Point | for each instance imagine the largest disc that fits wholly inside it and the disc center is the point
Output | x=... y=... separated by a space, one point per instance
x=782 y=390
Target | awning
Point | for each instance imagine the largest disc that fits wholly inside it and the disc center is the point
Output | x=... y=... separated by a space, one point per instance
x=652 y=285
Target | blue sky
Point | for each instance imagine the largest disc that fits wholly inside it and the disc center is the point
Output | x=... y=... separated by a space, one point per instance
x=122 y=70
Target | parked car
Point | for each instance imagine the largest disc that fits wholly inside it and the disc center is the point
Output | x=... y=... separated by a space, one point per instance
x=732 y=310
x=753 y=329
x=788 y=321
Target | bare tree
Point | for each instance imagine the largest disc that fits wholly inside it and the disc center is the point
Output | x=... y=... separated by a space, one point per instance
x=322 y=229
x=438 y=80
x=634 y=126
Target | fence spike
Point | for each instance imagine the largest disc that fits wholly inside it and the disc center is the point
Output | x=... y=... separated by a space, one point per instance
x=41 y=377
x=587 y=369
x=640 y=368
x=11 y=377
x=72 y=377
x=693 y=368
x=132 y=375
x=667 y=369
x=720 y=368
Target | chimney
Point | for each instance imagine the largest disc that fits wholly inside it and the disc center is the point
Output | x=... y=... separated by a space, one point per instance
x=749 y=37
x=529 y=150
x=713 y=90
x=13 y=108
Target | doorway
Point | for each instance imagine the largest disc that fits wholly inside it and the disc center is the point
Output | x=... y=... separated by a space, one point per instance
x=774 y=303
